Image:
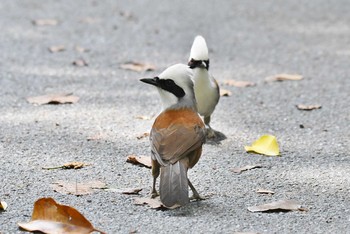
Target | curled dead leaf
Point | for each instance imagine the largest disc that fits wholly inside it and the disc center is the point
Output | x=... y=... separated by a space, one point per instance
x=57 y=48
x=138 y=67
x=265 y=191
x=45 y=22
x=225 y=93
x=70 y=165
x=239 y=84
x=75 y=188
x=54 y=99
x=283 y=77
x=308 y=107
x=127 y=191
x=80 y=63
x=265 y=145
x=146 y=134
x=282 y=205
x=51 y=217
x=245 y=168
x=140 y=160
x=3 y=205
x=143 y=117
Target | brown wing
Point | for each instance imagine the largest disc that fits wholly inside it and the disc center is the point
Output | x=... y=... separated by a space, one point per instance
x=171 y=144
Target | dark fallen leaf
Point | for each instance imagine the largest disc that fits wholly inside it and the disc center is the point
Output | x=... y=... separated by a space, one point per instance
x=225 y=93
x=245 y=168
x=71 y=165
x=265 y=191
x=308 y=107
x=137 y=66
x=80 y=63
x=74 y=188
x=146 y=134
x=55 y=99
x=51 y=217
x=282 y=77
x=237 y=83
x=282 y=205
x=3 y=205
x=58 y=48
x=127 y=191
x=140 y=160
x=45 y=22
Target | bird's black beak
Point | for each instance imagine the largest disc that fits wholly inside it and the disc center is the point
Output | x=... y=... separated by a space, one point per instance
x=153 y=81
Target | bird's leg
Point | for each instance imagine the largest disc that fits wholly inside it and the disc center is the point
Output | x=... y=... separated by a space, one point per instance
x=155 y=173
x=195 y=195
x=209 y=131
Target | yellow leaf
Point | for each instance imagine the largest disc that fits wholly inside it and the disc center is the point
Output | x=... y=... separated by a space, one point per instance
x=267 y=145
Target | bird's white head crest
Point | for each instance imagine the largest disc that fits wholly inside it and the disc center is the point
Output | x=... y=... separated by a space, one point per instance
x=199 y=50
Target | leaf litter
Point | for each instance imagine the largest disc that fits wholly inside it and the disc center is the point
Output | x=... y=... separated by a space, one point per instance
x=70 y=165
x=78 y=189
x=144 y=161
x=277 y=206
x=3 y=205
x=284 y=77
x=50 y=217
x=239 y=170
x=308 y=107
x=53 y=99
x=265 y=145
x=238 y=84
x=57 y=48
x=138 y=66
x=45 y=22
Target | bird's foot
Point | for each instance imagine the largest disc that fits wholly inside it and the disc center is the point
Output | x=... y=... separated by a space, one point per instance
x=154 y=194
x=197 y=198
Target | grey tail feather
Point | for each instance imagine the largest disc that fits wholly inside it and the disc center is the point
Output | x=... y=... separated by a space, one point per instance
x=173 y=187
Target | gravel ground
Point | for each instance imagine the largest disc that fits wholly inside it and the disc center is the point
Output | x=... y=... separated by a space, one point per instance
x=249 y=40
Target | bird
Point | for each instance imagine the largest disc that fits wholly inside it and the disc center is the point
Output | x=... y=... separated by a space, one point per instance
x=206 y=88
x=176 y=137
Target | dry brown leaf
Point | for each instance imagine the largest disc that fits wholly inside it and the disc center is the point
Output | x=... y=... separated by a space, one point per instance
x=57 y=48
x=153 y=203
x=70 y=165
x=140 y=160
x=127 y=191
x=265 y=191
x=146 y=134
x=237 y=83
x=45 y=22
x=75 y=188
x=138 y=67
x=245 y=168
x=143 y=117
x=308 y=107
x=3 y=205
x=81 y=49
x=282 y=77
x=225 y=93
x=282 y=205
x=80 y=63
x=55 y=99
x=51 y=217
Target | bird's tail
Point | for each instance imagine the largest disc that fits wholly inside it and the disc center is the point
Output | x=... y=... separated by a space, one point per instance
x=173 y=187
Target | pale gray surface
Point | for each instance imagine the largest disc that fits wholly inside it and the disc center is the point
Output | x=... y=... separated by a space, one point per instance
x=249 y=40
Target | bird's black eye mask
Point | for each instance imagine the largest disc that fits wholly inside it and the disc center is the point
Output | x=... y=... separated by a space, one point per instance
x=198 y=63
x=170 y=86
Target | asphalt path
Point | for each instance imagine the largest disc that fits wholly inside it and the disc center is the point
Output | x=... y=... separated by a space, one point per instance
x=248 y=40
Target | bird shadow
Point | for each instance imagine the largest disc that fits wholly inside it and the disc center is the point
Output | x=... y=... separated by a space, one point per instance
x=216 y=139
